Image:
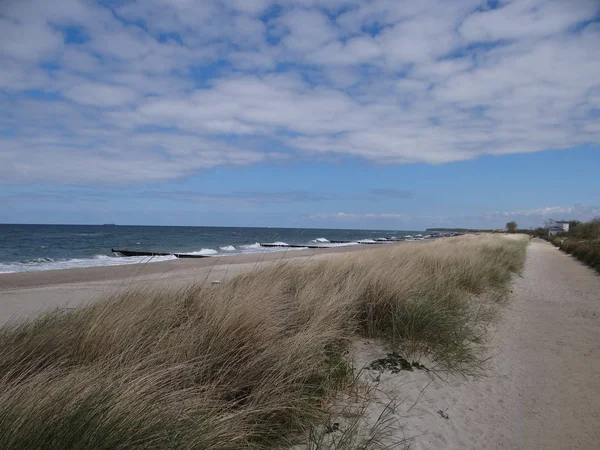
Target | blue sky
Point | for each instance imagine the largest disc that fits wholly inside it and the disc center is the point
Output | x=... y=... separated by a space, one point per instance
x=307 y=113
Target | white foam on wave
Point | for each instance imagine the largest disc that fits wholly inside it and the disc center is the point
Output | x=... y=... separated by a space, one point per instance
x=279 y=243
x=256 y=248
x=322 y=240
x=228 y=248
x=251 y=246
x=366 y=241
x=345 y=244
x=203 y=252
x=40 y=264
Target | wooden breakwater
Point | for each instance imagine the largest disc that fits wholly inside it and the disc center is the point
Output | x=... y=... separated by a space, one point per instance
x=266 y=245
x=324 y=244
x=291 y=246
x=177 y=255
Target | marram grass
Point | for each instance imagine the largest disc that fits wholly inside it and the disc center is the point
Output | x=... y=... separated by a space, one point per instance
x=249 y=363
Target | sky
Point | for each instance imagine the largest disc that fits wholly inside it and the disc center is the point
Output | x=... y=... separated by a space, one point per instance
x=378 y=114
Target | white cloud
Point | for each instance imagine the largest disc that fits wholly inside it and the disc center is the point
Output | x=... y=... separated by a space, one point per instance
x=526 y=218
x=389 y=81
x=527 y=19
x=536 y=217
x=100 y=94
x=571 y=212
x=249 y=6
x=140 y=158
x=15 y=77
x=361 y=217
x=31 y=39
x=306 y=30
x=358 y=50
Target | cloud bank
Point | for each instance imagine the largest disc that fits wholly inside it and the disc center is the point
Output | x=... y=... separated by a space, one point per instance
x=138 y=91
x=526 y=218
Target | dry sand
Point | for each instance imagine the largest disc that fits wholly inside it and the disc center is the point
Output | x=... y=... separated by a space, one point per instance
x=28 y=293
x=542 y=388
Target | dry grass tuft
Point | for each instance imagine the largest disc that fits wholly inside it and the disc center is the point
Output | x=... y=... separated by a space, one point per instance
x=248 y=363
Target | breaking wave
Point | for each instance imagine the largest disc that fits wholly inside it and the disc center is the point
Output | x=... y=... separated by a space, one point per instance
x=40 y=264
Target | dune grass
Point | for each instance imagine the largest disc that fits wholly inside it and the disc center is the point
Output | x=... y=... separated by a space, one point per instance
x=251 y=363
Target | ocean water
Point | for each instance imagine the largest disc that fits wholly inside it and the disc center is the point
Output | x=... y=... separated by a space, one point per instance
x=26 y=248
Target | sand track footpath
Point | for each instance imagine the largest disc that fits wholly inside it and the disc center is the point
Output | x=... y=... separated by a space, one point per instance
x=542 y=389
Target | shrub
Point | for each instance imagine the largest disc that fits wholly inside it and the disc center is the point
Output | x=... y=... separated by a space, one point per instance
x=586 y=230
x=582 y=241
x=586 y=251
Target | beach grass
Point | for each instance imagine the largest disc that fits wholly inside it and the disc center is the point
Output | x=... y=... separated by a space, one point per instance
x=251 y=363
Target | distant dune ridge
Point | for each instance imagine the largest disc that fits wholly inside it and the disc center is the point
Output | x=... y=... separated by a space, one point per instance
x=254 y=362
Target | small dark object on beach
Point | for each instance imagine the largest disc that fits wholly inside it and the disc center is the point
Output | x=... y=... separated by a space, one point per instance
x=443 y=414
x=332 y=427
x=394 y=363
x=417 y=365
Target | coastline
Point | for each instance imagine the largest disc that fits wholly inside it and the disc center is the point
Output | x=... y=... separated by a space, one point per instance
x=26 y=294
x=541 y=346
x=259 y=339
x=19 y=280
x=32 y=248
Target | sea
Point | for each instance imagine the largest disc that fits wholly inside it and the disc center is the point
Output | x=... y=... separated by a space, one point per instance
x=29 y=248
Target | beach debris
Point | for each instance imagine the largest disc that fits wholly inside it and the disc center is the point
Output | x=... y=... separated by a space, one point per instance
x=395 y=363
x=216 y=282
x=417 y=365
x=443 y=413
x=332 y=427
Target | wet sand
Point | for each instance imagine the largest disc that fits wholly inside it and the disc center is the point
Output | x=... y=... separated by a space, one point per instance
x=25 y=294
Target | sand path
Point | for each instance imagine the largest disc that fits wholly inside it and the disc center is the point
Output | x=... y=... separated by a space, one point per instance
x=542 y=390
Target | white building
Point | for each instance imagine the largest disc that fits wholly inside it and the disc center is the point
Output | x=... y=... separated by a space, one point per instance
x=558 y=226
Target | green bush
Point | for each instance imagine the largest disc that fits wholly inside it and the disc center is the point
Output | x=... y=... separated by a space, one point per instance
x=585 y=230
x=586 y=251
x=582 y=241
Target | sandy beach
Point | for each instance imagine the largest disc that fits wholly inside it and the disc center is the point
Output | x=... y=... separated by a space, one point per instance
x=24 y=294
x=541 y=389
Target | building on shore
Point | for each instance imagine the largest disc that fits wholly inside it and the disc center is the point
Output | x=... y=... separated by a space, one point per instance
x=557 y=226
